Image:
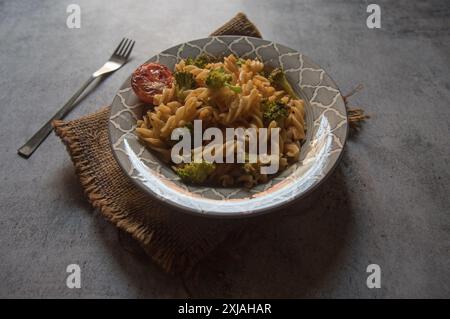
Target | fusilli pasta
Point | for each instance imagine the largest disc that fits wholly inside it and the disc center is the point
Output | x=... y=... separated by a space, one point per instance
x=249 y=99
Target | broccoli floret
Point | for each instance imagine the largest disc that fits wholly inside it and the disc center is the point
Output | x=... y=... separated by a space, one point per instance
x=200 y=61
x=189 y=61
x=240 y=62
x=218 y=78
x=278 y=78
x=195 y=173
x=274 y=111
x=183 y=81
x=236 y=89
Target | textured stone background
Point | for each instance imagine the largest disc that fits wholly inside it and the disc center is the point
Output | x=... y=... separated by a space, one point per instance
x=388 y=203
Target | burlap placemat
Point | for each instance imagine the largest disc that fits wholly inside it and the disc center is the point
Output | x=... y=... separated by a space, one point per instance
x=173 y=240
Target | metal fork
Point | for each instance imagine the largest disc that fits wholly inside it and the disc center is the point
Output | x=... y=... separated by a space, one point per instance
x=117 y=60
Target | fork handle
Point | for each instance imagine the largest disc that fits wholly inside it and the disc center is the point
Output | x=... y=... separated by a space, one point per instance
x=33 y=143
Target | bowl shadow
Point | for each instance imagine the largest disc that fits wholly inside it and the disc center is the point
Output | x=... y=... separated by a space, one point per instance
x=292 y=253
x=289 y=254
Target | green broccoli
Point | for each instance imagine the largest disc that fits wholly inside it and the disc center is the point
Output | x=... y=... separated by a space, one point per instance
x=183 y=81
x=274 y=111
x=200 y=61
x=240 y=62
x=278 y=78
x=218 y=78
x=195 y=173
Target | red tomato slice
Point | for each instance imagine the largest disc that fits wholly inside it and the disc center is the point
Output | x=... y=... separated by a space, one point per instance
x=150 y=79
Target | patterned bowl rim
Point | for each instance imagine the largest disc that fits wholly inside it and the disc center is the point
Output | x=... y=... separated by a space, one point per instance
x=239 y=213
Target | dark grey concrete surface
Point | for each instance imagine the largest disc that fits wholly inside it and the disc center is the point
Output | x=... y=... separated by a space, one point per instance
x=388 y=203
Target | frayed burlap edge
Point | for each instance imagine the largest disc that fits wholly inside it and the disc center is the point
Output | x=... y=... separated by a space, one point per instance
x=86 y=176
x=119 y=218
x=173 y=240
x=355 y=116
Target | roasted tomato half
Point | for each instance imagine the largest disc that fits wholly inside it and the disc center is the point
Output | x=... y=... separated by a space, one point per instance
x=150 y=79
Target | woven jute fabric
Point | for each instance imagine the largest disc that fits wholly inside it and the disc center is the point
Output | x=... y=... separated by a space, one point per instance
x=239 y=25
x=174 y=240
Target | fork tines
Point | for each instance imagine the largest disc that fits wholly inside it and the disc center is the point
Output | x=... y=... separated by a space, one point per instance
x=124 y=48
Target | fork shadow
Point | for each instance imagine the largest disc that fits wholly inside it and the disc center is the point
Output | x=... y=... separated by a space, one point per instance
x=285 y=255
